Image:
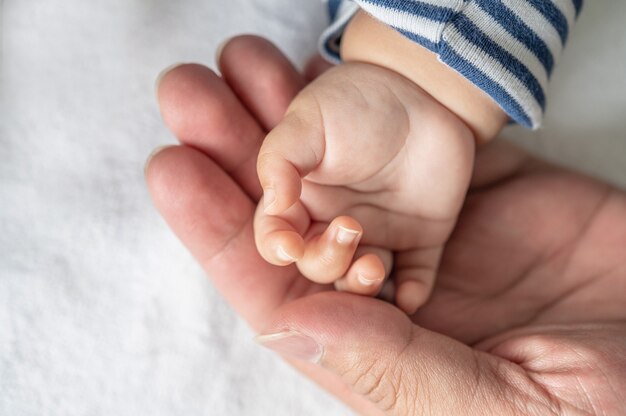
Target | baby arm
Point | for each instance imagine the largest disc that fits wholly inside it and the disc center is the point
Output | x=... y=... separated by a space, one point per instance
x=373 y=159
x=367 y=164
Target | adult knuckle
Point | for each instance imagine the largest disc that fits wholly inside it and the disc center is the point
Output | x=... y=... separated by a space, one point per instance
x=388 y=382
x=380 y=383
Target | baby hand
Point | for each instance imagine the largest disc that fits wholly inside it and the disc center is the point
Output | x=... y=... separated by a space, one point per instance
x=363 y=178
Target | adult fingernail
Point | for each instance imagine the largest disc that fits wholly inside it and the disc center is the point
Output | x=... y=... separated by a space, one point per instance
x=155 y=152
x=346 y=236
x=159 y=77
x=293 y=344
x=269 y=197
x=220 y=49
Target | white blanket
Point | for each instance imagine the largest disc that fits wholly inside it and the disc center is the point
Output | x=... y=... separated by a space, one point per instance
x=102 y=311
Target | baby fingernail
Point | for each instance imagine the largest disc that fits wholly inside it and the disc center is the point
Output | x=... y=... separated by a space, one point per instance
x=283 y=255
x=269 y=197
x=293 y=344
x=346 y=236
x=365 y=281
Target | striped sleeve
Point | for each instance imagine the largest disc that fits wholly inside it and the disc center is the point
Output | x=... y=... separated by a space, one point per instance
x=508 y=48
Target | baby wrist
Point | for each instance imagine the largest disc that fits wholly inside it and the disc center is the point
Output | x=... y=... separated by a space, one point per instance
x=369 y=41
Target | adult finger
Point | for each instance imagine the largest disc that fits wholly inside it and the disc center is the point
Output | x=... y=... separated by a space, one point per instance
x=191 y=191
x=402 y=368
x=315 y=67
x=203 y=112
x=261 y=76
x=496 y=161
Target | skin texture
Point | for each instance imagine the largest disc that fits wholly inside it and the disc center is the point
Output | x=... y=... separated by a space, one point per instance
x=363 y=150
x=368 y=40
x=365 y=174
x=527 y=315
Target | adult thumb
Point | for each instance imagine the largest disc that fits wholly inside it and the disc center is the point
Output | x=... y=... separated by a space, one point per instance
x=382 y=356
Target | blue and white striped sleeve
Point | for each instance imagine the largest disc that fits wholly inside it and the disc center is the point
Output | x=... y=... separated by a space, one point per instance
x=508 y=48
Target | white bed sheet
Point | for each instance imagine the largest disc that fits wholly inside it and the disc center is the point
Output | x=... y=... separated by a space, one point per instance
x=102 y=311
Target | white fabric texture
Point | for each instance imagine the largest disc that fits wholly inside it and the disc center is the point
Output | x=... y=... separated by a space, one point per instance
x=102 y=311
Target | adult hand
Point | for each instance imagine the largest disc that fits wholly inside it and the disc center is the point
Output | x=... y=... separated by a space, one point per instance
x=527 y=316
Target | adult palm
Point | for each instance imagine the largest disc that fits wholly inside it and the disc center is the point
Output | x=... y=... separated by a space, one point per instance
x=527 y=315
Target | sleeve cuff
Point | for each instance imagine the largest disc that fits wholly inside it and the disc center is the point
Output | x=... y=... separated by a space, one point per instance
x=507 y=48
